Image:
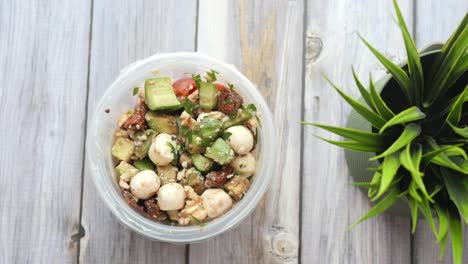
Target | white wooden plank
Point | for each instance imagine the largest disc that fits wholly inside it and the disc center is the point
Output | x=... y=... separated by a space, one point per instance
x=43 y=68
x=435 y=21
x=123 y=32
x=330 y=203
x=264 y=40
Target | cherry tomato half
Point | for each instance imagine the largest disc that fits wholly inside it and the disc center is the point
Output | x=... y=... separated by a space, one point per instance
x=220 y=86
x=184 y=86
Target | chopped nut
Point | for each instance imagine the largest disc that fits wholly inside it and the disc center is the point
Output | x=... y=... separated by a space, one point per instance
x=122 y=118
x=181 y=175
x=125 y=177
x=183 y=221
x=187 y=121
x=153 y=210
x=185 y=160
x=124 y=185
x=194 y=97
x=107 y=110
x=237 y=187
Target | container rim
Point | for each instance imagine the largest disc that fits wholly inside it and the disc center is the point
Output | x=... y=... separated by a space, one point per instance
x=102 y=178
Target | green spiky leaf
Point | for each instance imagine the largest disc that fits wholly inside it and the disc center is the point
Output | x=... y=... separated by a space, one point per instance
x=365 y=112
x=367 y=138
x=352 y=145
x=398 y=74
x=410 y=132
x=414 y=61
x=457 y=186
x=456 y=232
x=390 y=167
x=448 y=67
x=409 y=115
x=379 y=103
x=364 y=93
x=380 y=207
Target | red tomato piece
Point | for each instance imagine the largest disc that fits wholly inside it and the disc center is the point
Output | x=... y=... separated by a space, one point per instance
x=220 y=86
x=184 y=86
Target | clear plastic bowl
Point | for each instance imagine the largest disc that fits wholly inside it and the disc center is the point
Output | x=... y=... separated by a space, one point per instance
x=118 y=98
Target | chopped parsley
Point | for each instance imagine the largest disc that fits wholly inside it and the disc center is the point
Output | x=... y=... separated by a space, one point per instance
x=135 y=90
x=197 y=79
x=231 y=86
x=189 y=107
x=211 y=76
x=251 y=107
x=226 y=135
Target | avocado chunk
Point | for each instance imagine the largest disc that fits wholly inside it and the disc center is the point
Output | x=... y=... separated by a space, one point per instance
x=194 y=179
x=144 y=164
x=162 y=123
x=167 y=174
x=202 y=163
x=195 y=143
x=123 y=148
x=208 y=95
x=209 y=128
x=241 y=117
x=125 y=167
x=220 y=152
x=160 y=94
x=145 y=137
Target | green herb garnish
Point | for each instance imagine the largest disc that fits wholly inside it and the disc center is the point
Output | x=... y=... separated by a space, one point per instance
x=197 y=79
x=226 y=135
x=251 y=107
x=189 y=107
x=135 y=91
x=211 y=76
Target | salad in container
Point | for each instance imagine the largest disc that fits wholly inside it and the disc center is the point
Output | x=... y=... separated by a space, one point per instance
x=181 y=147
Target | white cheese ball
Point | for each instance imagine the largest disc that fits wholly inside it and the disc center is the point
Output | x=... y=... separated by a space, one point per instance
x=216 y=202
x=241 y=139
x=171 y=197
x=160 y=151
x=145 y=184
x=244 y=165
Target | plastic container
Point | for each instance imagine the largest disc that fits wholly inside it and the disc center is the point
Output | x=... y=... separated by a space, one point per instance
x=118 y=98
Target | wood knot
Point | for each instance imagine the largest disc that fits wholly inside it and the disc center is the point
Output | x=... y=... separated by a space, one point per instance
x=284 y=245
x=314 y=47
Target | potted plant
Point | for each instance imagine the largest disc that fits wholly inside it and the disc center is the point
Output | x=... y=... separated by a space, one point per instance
x=413 y=124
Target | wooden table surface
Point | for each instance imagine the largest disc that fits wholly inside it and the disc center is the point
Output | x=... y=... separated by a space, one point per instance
x=58 y=57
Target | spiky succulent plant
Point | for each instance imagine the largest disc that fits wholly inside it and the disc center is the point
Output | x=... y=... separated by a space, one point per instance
x=419 y=135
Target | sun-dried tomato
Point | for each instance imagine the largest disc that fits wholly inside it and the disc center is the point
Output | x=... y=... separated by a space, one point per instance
x=218 y=178
x=152 y=209
x=131 y=200
x=229 y=101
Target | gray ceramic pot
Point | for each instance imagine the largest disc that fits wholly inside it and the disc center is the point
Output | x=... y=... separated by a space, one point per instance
x=358 y=162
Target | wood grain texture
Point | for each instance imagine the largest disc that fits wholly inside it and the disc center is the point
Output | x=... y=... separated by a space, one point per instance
x=264 y=40
x=43 y=69
x=123 y=32
x=330 y=204
x=435 y=21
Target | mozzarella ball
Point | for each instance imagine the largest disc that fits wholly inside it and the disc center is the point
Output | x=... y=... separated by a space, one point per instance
x=244 y=165
x=171 y=197
x=145 y=184
x=241 y=139
x=216 y=202
x=160 y=151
